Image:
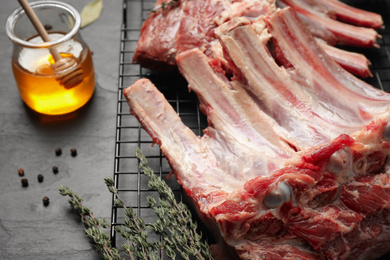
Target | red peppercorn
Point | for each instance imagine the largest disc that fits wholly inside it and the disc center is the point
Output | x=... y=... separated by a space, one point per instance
x=21 y=172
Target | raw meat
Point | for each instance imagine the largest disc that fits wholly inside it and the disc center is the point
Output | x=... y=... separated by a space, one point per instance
x=318 y=17
x=293 y=164
x=191 y=24
x=354 y=62
x=188 y=25
x=352 y=15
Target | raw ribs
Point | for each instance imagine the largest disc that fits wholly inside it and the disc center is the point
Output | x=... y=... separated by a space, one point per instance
x=293 y=164
x=172 y=29
x=326 y=19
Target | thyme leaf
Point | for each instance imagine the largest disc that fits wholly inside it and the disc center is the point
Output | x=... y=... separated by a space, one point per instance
x=101 y=241
x=174 y=225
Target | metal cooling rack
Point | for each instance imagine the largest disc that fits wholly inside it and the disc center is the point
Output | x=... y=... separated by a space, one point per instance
x=131 y=184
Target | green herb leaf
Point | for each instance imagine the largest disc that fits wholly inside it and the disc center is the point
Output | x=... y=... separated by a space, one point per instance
x=91 y=12
x=174 y=224
x=93 y=230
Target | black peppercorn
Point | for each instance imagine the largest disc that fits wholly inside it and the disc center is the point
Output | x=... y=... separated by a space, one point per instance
x=21 y=172
x=73 y=152
x=55 y=169
x=24 y=182
x=45 y=201
x=58 y=151
x=48 y=27
x=40 y=178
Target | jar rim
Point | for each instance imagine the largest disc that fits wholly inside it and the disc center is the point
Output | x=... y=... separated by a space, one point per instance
x=12 y=19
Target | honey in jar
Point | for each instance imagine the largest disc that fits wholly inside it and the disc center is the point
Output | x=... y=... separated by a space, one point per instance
x=32 y=61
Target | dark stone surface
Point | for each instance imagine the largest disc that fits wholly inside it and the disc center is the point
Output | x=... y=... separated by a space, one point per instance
x=28 y=229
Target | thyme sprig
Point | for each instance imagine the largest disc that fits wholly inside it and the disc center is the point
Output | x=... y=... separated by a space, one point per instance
x=101 y=241
x=174 y=224
x=133 y=230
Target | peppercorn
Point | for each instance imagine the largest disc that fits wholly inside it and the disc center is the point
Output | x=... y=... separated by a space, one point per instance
x=73 y=152
x=48 y=27
x=24 y=182
x=58 y=151
x=45 y=201
x=55 y=169
x=21 y=172
x=40 y=178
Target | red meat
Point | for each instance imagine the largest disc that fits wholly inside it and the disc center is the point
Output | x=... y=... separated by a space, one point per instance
x=293 y=164
x=188 y=24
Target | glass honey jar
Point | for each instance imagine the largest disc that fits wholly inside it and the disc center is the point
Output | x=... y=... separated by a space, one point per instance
x=32 y=60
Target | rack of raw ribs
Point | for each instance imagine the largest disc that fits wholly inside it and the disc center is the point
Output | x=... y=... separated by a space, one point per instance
x=293 y=163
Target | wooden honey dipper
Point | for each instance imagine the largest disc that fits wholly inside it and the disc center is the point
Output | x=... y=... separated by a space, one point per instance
x=70 y=74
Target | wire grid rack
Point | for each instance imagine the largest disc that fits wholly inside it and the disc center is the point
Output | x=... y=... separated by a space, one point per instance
x=131 y=184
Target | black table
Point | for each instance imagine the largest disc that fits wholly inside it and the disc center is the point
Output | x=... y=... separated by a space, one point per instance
x=28 y=229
